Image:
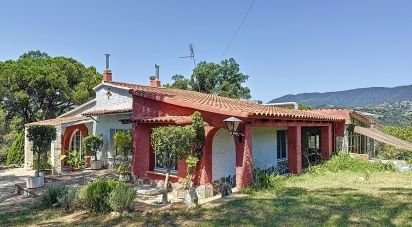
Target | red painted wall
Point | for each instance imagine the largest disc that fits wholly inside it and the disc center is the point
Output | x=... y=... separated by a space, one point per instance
x=143 y=158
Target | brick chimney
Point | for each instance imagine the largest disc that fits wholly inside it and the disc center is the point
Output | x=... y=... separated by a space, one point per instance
x=107 y=74
x=154 y=80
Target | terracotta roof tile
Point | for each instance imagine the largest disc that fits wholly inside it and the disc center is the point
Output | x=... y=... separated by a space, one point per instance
x=346 y=114
x=105 y=112
x=58 y=121
x=166 y=119
x=212 y=103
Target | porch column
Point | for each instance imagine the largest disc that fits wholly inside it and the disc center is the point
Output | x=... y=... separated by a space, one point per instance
x=141 y=149
x=244 y=158
x=294 y=149
x=204 y=169
x=326 y=142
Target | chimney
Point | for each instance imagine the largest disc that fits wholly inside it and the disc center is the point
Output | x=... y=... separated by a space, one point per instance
x=154 y=80
x=107 y=74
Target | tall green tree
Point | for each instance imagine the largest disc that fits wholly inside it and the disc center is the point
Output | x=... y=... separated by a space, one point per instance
x=37 y=86
x=171 y=143
x=224 y=79
x=41 y=136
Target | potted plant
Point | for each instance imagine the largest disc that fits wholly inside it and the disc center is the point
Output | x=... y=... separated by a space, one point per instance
x=91 y=145
x=123 y=143
x=41 y=136
x=124 y=171
x=74 y=160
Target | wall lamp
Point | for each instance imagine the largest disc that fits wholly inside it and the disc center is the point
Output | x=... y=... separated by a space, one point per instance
x=232 y=124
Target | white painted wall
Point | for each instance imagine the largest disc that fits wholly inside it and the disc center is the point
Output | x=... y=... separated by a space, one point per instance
x=264 y=144
x=120 y=99
x=223 y=155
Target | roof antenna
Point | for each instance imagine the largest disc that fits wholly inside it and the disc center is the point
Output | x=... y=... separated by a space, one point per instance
x=192 y=56
x=107 y=61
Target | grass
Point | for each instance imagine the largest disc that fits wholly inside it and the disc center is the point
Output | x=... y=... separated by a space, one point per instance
x=331 y=199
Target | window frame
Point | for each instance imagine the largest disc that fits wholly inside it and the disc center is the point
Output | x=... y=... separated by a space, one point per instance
x=281 y=148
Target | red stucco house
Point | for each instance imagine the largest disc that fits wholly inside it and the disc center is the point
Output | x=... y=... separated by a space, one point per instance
x=273 y=136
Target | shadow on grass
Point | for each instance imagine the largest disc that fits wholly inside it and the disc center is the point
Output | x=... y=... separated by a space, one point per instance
x=297 y=206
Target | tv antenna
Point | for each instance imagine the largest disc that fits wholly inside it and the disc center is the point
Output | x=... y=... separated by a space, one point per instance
x=191 y=54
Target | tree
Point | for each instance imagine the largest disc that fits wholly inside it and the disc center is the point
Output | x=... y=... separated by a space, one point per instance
x=37 y=86
x=15 y=154
x=123 y=142
x=224 y=79
x=171 y=143
x=304 y=107
x=198 y=129
x=92 y=144
x=41 y=136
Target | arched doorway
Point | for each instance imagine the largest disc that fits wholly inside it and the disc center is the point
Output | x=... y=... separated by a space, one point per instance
x=223 y=157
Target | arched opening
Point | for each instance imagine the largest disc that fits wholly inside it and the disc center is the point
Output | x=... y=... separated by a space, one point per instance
x=76 y=140
x=224 y=157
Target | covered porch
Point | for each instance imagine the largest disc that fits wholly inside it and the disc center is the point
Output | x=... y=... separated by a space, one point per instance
x=267 y=144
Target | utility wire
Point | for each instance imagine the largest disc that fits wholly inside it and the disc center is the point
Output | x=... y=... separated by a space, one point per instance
x=238 y=28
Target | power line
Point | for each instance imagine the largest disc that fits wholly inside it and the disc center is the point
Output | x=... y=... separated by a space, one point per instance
x=238 y=28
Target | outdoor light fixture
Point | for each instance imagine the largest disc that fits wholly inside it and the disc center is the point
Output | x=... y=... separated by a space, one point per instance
x=232 y=123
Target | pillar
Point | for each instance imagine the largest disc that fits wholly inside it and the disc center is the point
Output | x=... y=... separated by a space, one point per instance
x=244 y=158
x=295 y=149
x=326 y=146
x=141 y=149
x=204 y=169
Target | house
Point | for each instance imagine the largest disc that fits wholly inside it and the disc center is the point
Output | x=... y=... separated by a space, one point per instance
x=271 y=139
x=100 y=116
x=362 y=134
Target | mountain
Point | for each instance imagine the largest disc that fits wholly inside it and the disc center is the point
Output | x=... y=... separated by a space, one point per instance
x=388 y=106
x=351 y=98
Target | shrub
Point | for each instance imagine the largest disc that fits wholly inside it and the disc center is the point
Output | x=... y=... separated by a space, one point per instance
x=343 y=161
x=15 y=154
x=122 y=197
x=96 y=195
x=67 y=200
x=124 y=168
x=264 y=180
x=44 y=164
x=52 y=195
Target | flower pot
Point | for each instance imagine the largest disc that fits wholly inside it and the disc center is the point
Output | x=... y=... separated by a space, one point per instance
x=35 y=182
x=191 y=198
x=124 y=177
x=96 y=164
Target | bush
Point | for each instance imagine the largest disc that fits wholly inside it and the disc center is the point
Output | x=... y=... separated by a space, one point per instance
x=67 y=200
x=15 y=154
x=264 y=180
x=95 y=196
x=52 y=195
x=343 y=161
x=44 y=164
x=390 y=152
x=122 y=197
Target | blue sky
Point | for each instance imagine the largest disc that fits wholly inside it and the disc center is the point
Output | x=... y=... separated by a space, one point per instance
x=286 y=47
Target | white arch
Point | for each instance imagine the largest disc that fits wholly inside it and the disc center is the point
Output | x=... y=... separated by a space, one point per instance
x=223 y=155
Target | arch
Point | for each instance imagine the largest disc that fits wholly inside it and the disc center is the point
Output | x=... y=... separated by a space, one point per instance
x=223 y=155
x=67 y=136
x=76 y=138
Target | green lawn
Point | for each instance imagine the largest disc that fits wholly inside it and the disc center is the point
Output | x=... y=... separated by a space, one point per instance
x=332 y=199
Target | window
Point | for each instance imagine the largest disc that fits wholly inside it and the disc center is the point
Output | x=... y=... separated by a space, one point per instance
x=282 y=152
x=159 y=166
x=76 y=141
